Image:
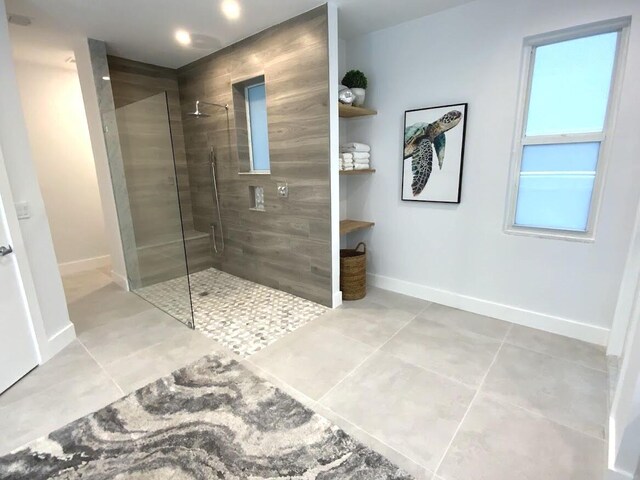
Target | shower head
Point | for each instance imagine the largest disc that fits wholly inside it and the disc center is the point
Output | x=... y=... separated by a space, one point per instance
x=199 y=114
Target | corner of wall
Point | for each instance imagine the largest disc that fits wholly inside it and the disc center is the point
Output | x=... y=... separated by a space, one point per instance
x=334 y=141
x=84 y=64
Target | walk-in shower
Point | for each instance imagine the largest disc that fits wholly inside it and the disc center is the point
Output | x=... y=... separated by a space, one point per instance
x=191 y=150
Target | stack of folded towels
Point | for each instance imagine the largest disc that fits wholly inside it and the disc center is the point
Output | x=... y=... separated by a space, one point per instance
x=355 y=156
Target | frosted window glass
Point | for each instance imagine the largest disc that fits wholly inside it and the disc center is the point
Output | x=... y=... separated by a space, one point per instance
x=257 y=103
x=556 y=185
x=570 y=85
x=560 y=157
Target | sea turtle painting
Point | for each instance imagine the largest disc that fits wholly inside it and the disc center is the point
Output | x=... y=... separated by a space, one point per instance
x=419 y=141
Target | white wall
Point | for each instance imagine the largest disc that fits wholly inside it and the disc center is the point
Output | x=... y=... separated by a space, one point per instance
x=459 y=254
x=624 y=418
x=24 y=187
x=59 y=138
x=89 y=88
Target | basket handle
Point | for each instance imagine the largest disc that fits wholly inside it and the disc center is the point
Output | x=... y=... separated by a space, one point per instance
x=364 y=247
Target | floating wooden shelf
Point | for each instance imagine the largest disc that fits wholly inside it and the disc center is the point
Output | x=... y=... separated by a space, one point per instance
x=348 y=226
x=357 y=172
x=349 y=111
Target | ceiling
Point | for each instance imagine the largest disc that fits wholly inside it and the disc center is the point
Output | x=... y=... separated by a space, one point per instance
x=144 y=29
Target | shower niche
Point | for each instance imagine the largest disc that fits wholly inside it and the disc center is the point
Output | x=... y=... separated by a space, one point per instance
x=251 y=122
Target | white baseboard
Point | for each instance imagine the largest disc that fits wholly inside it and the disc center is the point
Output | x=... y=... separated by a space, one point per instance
x=57 y=342
x=337 y=299
x=520 y=316
x=616 y=475
x=84 y=265
x=120 y=280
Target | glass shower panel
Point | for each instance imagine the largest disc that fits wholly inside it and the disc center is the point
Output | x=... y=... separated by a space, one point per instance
x=156 y=265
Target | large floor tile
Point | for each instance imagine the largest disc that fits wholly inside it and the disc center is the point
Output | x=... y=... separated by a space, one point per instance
x=460 y=319
x=37 y=415
x=377 y=297
x=418 y=472
x=72 y=363
x=568 y=393
x=103 y=306
x=411 y=410
x=503 y=442
x=78 y=285
x=458 y=354
x=124 y=336
x=372 y=324
x=312 y=359
x=145 y=366
x=586 y=354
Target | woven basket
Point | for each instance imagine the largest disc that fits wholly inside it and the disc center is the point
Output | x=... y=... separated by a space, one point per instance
x=353 y=272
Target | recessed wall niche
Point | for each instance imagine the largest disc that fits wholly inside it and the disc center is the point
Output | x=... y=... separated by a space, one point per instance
x=252 y=132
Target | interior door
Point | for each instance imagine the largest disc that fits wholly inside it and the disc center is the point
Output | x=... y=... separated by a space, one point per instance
x=18 y=353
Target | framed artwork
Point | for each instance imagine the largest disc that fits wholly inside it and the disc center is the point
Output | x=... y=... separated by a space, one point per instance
x=432 y=153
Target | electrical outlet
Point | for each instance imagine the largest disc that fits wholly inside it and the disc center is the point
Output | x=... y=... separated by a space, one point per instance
x=283 y=190
x=23 y=211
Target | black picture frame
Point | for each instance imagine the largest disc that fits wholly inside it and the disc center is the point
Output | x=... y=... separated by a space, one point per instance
x=463 y=126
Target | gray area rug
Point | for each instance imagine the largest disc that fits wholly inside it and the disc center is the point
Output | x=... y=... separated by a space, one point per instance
x=211 y=420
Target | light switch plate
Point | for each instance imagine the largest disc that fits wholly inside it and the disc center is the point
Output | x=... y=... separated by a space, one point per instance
x=23 y=211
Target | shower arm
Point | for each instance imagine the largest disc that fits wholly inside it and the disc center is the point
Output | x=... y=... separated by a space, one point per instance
x=198 y=102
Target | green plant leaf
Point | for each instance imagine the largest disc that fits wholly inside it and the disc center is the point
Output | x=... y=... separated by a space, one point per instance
x=355 y=79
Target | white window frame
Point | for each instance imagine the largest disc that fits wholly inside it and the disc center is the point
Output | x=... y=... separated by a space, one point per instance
x=248 y=112
x=620 y=25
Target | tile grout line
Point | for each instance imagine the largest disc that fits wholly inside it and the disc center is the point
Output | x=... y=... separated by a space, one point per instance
x=101 y=367
x=351 y=372
x=475 y=396
x=418 y=463
x=539 y=352
x=269 y=375
x=542 y=416
x=432 y=372
x=315 y=405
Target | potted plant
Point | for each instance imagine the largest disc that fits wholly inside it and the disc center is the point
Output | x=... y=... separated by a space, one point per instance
x=357 y=82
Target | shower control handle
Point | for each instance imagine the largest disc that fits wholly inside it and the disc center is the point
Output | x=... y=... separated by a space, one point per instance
x=5 y=250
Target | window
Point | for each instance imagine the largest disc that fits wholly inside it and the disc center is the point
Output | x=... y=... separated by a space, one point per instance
x=559 y=151
x=256 y=98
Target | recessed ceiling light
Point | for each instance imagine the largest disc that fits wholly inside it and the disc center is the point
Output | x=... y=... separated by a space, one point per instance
x=183 y=37
x=107 y=78
x=231 y=9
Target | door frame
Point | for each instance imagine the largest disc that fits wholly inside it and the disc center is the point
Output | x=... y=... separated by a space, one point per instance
x=34 y=313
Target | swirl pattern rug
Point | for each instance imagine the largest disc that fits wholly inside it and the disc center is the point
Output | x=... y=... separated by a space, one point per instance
x=211 y=420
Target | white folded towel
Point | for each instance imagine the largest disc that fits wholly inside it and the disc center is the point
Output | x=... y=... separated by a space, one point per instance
x=355 y=147
x=361 y=155
x=347 y=167
x=362 y=161
x=346 y=155
x=361 y=166
x=346 y=162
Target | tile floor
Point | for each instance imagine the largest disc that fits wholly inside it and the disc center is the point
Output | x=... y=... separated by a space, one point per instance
x=123 y=343
x=243 y=316
x=446 y=394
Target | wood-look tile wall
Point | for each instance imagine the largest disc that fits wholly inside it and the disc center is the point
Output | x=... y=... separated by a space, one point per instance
x=147 y=156
x=288 y=246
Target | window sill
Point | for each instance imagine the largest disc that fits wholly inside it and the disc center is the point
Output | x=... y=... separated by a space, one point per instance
x=256 y=172
x=586 y=237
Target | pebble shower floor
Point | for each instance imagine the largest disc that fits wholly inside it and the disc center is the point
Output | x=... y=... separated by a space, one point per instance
x=243 y=316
